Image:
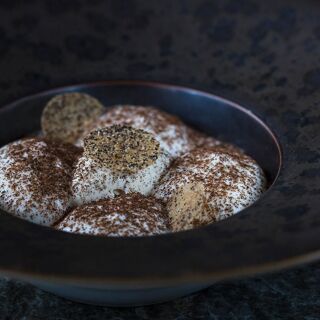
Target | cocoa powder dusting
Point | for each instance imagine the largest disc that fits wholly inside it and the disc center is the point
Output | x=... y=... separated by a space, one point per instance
x=38 y=176
x=231 y=181
x=125 y=215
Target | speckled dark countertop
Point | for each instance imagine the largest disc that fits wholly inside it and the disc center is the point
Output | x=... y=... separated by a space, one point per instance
x=267 y=50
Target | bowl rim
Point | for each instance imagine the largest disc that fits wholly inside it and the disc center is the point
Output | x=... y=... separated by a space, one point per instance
x=82 y=259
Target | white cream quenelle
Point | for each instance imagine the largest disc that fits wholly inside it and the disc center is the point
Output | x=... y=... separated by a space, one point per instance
x=172 y=134
x=209 y=184
x=126 y=215
x=117 y=158
x=35 y=178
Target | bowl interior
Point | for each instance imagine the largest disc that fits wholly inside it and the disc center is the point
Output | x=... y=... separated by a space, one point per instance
x=211 y=114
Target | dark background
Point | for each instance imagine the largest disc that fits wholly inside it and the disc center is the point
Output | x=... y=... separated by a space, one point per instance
x=266 y=50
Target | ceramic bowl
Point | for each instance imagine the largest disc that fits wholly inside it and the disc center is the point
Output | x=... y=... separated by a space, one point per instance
x=273 y=233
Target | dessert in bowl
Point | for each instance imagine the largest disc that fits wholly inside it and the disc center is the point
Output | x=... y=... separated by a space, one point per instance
x=123 y=171
x=124 y=263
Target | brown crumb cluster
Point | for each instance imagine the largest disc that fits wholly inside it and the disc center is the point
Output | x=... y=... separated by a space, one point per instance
x=217 y=179
x=188 y=207
x=122 y=149
x=125 y=215
x=37 y=175
x=66 y=116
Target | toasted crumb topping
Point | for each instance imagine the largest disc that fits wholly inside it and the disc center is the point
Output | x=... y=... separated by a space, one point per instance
x=188 y=207
x=122 y=149
x=66 y=116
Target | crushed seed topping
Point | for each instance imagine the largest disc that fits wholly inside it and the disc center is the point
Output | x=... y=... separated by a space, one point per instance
x=188 y=207
x=66 y=116
x=168 y=129
x=125 y=215
x=122 y=149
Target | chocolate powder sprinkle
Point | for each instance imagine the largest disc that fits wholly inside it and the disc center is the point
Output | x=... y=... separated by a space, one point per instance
x=201 y=140
x=125 y=215
x=222 y=180
x=36 y=179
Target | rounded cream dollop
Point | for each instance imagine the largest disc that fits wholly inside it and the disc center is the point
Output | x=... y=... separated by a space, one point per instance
x=35 y=176
x=118 y=158
x=167 y=129
x=126 y=215
x=209 y=184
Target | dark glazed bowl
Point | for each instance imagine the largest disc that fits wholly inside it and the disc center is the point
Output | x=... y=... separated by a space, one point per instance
x=144 y=270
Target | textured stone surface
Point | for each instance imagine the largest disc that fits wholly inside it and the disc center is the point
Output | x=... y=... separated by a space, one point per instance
x=267 y=50
x=286 y=295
